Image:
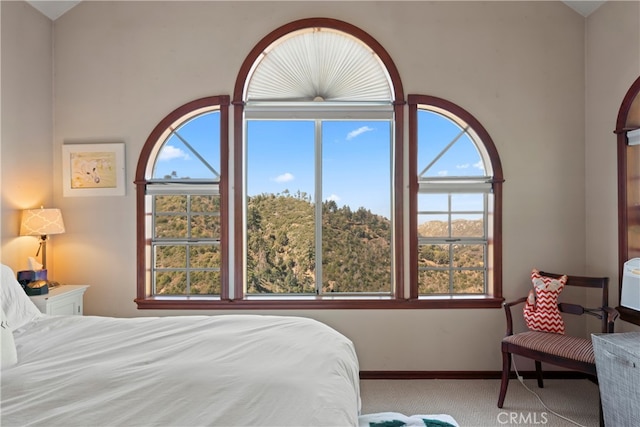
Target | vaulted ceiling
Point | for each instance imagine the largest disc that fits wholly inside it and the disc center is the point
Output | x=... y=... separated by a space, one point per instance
x=53 y=9
x=57 y=8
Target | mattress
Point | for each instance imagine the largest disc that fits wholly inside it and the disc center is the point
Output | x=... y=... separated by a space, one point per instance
x=227 y=370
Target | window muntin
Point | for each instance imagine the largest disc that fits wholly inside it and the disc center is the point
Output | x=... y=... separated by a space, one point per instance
x=186 y=245
x=318 y=207
x=452 y=244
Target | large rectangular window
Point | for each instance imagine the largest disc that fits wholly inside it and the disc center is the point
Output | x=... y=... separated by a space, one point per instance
x=318 y=207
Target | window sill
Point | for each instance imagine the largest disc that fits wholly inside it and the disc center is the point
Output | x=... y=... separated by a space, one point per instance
x=318 y=304
x=629 y=315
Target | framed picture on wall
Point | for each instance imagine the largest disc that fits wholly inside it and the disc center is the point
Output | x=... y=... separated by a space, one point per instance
x=93 y=169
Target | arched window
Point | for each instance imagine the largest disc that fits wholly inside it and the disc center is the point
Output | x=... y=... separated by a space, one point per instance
x=318 y=188
x=317 y=156
x=455 y=205
x=181 y=182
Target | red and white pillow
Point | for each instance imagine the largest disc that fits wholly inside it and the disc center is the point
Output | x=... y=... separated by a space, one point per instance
x=541 y=308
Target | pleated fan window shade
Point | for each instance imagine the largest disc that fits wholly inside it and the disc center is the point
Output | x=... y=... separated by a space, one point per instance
x=318 y=64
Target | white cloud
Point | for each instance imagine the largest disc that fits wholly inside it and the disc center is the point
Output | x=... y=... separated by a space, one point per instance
x=285 y=177
x=478 y=165
x=462 y=166
x=358 y=132
x=334 y=197
x=169 y=152
x=443 y=173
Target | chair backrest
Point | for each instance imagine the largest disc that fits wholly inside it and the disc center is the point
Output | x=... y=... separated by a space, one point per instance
x=601 y=283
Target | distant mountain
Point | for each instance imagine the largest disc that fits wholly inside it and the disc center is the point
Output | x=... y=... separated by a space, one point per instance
x=460 y=227
x=437 y=257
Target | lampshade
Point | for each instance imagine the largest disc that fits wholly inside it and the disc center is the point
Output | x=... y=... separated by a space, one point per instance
x=41 y=222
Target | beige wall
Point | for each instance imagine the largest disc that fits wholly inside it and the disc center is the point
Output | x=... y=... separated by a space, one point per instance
x=612 y=65
x=27 y=125
x=519 y=67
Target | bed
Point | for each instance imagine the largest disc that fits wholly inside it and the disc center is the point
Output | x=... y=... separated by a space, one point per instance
x=173 y=371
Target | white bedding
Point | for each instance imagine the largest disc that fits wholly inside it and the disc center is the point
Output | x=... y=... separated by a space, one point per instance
x=180 y=371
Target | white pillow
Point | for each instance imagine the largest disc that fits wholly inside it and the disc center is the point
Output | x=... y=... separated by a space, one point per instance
x=9 y=355
x=16 y=305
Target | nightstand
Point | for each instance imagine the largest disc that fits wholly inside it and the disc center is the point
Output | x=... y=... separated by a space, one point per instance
x=64 y=299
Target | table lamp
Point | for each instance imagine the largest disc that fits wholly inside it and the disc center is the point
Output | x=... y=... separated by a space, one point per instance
x=41 y=222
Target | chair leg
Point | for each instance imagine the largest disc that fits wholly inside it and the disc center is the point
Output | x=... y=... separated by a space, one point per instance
x=506 y=370
x=601 y=414
x=539 y=373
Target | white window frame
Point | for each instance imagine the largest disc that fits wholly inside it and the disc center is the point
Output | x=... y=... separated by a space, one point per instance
x=319 y=113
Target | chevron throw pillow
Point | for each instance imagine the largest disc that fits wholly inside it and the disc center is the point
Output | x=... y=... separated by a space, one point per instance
x=541 y=308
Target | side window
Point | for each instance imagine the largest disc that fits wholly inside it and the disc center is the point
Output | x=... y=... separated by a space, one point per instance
x=456 y=199
x=181 y=197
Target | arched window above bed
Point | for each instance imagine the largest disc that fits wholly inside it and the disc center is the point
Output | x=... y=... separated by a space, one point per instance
x=313 y=215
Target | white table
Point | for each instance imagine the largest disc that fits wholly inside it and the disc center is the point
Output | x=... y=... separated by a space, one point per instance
x=64 y=299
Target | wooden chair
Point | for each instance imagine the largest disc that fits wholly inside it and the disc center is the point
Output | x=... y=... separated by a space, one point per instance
x=557 y=349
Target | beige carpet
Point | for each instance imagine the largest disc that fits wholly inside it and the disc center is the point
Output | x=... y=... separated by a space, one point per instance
x=473 y=402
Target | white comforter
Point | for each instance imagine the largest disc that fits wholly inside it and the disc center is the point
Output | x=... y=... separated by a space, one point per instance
x=180 y=371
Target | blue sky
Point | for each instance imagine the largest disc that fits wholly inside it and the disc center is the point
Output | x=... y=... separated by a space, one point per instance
x=356 y=161
x=434 y=133
x=203 y=134
x=356 y=157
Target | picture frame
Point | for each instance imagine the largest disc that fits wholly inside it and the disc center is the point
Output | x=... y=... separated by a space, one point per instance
x=93 y=169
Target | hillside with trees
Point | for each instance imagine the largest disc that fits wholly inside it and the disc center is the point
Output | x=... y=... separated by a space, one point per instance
x=439 y=256
x=281 y=248
x=356 y=247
